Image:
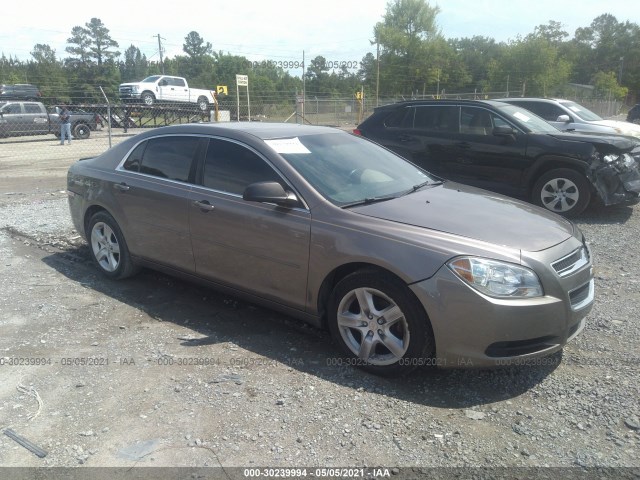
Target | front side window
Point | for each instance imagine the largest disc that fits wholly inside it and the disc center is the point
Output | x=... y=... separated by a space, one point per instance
x=230 y=167
x=12 y=108
x=168 y=157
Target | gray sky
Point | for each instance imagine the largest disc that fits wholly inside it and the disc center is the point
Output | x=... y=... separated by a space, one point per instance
x=280 y=30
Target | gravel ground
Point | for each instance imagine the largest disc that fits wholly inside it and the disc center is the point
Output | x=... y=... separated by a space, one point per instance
x=195 y=378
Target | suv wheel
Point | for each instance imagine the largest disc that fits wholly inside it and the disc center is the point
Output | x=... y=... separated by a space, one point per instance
x=563 y=190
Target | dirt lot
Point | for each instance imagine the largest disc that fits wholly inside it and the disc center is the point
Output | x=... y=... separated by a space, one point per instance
x=154 y=371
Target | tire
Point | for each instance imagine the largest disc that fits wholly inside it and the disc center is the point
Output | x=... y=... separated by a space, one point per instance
x=108 y=247
x=409 y=333
x=203 y=104
x=564 y=191
x=148 y=99
x=81 y=131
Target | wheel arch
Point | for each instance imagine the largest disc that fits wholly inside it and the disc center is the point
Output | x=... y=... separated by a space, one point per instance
x=342 y=271
x=548 y=163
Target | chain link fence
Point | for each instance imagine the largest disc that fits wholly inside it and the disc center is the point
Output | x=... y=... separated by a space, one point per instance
x=96 y=127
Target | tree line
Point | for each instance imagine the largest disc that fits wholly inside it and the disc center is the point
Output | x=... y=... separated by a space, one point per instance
x=410 y=58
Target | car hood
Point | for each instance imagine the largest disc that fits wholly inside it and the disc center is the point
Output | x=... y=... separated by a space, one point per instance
x=474 y=213
x=621 y=128
x=620 y=142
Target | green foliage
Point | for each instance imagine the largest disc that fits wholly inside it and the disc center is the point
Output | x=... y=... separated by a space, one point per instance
x=410 y=57
x=606 y=86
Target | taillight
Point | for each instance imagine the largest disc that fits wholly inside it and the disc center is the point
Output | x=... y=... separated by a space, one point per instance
x=357 y=131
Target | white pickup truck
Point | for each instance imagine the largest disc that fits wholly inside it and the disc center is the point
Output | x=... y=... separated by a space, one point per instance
x=165 y=88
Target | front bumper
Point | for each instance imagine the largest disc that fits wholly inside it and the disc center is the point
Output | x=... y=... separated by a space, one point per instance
x=474 y=330
x=616 y=183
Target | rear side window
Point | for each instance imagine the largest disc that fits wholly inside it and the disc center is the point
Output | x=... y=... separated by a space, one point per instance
x=401 y=118
x=32 y=108
x=230 y=167
x=168 y=157
x=436 y=118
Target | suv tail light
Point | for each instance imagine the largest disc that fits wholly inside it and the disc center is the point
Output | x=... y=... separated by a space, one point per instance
x=356 y=131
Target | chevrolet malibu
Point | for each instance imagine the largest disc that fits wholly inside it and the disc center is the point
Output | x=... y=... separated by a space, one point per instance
x=402 y=267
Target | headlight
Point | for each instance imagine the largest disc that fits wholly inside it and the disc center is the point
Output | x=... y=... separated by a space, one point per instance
x=623 y=160
x=497 y=279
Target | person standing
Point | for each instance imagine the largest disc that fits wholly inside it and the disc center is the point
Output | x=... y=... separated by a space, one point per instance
x=65 y=125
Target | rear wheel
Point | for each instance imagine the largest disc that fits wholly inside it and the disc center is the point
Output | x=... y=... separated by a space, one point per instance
x=108 y=247
x=203 y=104
x=563 y=190
x=378 y=323
x=81 y=131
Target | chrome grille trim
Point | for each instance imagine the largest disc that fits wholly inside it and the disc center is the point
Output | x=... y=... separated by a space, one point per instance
x=582 y=296
x=571 y=263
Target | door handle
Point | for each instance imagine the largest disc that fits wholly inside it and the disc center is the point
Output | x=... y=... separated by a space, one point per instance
x=404 y=138
x=464 y=145
x=203 y=205
x=123 y=187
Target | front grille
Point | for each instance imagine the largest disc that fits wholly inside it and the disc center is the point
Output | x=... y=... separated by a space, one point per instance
x=520 y=347
x=572 y=262
x=581 y=296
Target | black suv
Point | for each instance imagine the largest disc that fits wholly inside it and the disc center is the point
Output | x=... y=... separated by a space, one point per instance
x=634 y=114
x=507 y=149
x=19 y=91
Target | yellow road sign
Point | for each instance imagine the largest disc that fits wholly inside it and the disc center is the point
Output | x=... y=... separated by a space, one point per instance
x=222 y=90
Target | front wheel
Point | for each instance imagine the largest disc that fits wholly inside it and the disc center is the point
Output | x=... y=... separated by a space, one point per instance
x=380 y=326
x=148 y=99
x=108 y=247
x=81 y=131
x=564 y=191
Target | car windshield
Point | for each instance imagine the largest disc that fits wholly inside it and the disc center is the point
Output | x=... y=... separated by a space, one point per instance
x=580 y=111
x=527 y=119
x=151 y=79
x=348 y=170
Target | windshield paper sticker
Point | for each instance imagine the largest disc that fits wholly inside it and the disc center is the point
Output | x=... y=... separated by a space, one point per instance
x=521 y=116
x=287 y=145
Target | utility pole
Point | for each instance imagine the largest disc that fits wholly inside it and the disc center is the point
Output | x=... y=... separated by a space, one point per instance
x=377 y=70
x=160 y=50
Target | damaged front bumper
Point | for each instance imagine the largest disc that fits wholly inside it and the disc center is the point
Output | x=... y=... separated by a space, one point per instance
x=616 y=178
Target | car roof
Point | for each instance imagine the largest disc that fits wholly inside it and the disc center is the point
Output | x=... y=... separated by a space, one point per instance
x=493 y=103
x=533 y=99
x=262 y=130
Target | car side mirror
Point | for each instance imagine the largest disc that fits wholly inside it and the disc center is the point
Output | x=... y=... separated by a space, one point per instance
x=504 y=131
x=270 y=192
x=563 y=119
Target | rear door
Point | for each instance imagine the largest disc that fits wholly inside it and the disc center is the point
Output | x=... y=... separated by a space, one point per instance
x=152 y=194
x=36 y=120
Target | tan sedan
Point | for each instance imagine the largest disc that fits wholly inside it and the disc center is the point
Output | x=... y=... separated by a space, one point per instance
x=403 y=268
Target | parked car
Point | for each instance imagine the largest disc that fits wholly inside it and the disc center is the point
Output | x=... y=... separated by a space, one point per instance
x=19 y=91
x=634 y=114
x=567 y=115
x=507 y=149
x=32 y=118
x=403 y=268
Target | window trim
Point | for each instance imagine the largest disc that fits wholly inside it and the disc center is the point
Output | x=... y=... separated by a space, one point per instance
x=198 y=167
